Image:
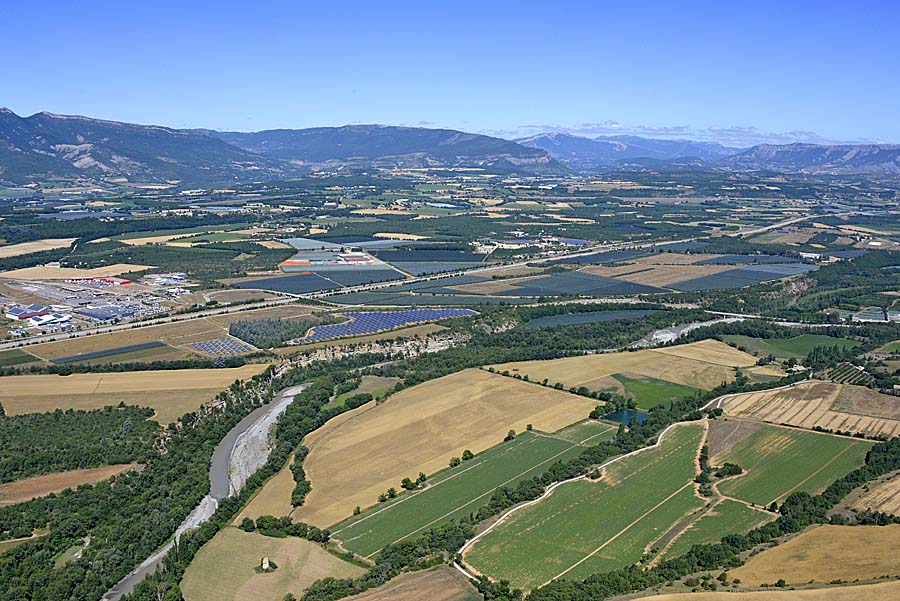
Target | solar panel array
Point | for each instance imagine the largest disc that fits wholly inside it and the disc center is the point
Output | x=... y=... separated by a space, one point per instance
x=370 y=322
x=222 y=346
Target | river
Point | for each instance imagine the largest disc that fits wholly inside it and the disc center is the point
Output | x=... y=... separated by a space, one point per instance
x=244 y=450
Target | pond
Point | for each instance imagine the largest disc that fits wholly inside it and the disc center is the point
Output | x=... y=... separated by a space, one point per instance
x=623 y=416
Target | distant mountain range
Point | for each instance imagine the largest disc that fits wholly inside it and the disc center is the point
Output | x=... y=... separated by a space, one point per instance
x=587 y=153
x=647 y=154
x=389 y=146
x=46 y=146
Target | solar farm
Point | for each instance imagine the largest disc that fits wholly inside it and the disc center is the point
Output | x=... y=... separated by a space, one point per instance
x=371 y=322
x=222 y=347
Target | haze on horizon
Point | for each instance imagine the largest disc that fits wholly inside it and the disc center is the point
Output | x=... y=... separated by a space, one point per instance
x=740 y=75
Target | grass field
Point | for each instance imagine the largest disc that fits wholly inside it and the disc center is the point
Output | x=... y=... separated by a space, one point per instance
x=787 y=348
x=704 y=364
x=170 y=393
x=40 y=486
x=377 y=386
x=16 y=357
x=778 y=461
x=649 y=392
x=26 y=248
x=418 y=430
x=223 y=569
x=436 y=584
x=6 y=545
x=453 y=493
x=584 y=526
x=883 y=591
x=838 y=407
x=827 y=553
x=588 y=432
x=728 y=517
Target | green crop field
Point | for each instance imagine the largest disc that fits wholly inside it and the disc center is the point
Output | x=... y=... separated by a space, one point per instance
x=453 y=492
x=588 y=432
x=585 y=526
x=786 y=348
x=15 y=357
x=649 y=392
x=778 y=461
x=728 y=517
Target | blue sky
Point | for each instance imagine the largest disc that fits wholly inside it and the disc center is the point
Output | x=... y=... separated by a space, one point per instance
x=778 y=71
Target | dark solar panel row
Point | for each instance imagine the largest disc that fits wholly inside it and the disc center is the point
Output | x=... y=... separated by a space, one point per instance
x=370 y=322
x=222 y=346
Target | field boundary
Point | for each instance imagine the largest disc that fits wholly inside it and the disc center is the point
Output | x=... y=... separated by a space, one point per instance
x=503 y=517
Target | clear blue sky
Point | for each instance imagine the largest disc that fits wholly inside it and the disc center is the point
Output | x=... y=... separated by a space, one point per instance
x=697 y=69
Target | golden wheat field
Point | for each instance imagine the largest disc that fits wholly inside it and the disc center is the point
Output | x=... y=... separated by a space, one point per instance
x=831 y=406
x=356 y=457
x=704 y=364
x=827 y=553
x=169 y=393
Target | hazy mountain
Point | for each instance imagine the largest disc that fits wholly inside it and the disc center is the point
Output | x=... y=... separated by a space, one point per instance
x=390 y=146
x=45 y=145
x=588 y=153
x=815 y=159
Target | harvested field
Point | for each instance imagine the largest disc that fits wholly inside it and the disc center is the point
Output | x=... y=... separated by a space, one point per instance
x=883 y=591
x=657 y=275
x=881 y=496
x=587 y=526
x=724 y=433
x=26 y=248
x=704 y=364
x=778 y=461
x=41 y=486
x=223 y=569
x=421 y=429
x=837 y=407
x=274 y=498
x=827 y=553
x=170 y=393
x=437 y=584
x=277 y=244
x=65 y=273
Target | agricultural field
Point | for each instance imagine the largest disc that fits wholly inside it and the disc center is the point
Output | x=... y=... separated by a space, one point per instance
x=14 y=357
x=883 y=591
x=67 y=273
x=847 y=373
x=436 y=584
x=649 y=392
x=170 y=394
x=223 y=569
x=827 y=553
x=353 y=460
x=797 y=347
x=836 y=407
x=778 y=461
x=454 y=492
x=273 y=498
x=26 y=248
x=589 y=526
x=726 y=517
x=882 y=495
x=41 y=486
x=704 y=365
